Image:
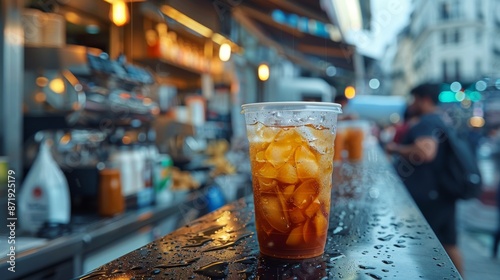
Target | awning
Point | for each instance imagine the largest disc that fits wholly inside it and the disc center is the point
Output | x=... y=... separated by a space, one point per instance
x=312 y=42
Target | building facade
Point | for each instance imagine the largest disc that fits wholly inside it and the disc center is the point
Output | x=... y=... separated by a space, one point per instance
x=447 y=41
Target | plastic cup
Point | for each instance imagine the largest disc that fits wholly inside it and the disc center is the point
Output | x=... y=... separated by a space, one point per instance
x=339 y=144
x=355 y=132
x=291 y=154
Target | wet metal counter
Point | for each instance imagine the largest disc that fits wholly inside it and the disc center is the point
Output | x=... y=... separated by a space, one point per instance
x=376 y=232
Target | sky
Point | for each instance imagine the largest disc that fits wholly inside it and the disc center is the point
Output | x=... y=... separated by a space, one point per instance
x=389 y=17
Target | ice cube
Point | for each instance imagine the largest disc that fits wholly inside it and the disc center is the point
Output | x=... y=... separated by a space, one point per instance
x=288 y=191
x=287 y=174
x=262 y=223
x=267 y=185
x=273 y=212
x=313 y=208
x=305 y=193
x=320 y=224
x=307 y=165
x=266 y=133
x=289 y=136
x=267 y=171
x=296 y=215
x=319 y=139
x=295 y=237
x=278 y=153
x=260 y=157
x=306 y=232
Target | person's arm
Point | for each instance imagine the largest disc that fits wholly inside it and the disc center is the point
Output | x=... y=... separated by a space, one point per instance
x=424 y=149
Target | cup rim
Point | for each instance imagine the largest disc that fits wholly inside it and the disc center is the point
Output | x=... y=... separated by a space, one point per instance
x=293 y=105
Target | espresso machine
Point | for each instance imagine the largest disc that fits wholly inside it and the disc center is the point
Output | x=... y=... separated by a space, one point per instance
x=92 y=108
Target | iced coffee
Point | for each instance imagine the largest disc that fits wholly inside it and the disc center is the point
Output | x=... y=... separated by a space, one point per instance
x=291 y=154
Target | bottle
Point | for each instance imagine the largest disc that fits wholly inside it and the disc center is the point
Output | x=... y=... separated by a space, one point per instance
x=162 y=179
x=44 y=196
x=111 y=199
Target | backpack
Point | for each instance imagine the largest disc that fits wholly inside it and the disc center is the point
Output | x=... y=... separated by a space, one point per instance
x=460 y=178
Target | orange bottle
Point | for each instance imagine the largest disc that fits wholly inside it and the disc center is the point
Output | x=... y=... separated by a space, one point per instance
x=111 y=200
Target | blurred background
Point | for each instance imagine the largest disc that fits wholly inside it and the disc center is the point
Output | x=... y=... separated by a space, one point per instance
x=153 y=88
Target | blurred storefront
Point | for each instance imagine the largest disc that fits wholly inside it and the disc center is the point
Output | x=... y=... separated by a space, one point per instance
x=152 y=89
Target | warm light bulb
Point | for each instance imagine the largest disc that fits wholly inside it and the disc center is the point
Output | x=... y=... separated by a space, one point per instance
x=57 y=85
x=119 y=12
x=263 y=72
x=350 y=92
x=225 y=52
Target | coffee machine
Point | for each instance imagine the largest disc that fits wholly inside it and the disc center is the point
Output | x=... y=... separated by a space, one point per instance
x=90 y=107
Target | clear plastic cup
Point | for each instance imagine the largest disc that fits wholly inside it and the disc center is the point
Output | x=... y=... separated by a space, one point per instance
x=291 y=153
x=355 y=132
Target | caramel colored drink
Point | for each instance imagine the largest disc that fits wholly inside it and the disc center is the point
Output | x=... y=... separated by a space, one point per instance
x=339 y=144
x=354 y=143
x=291 y=154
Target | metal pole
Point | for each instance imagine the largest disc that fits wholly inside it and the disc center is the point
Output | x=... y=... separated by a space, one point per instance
x=11 y=87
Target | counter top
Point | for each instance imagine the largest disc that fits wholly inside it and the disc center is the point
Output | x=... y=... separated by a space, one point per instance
x=89 y=232
x=376 y=232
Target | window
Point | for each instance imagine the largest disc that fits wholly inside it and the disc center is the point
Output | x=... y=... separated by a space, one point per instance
x=478 y=68
x=450 y=9
x=456 y=36
x=455 y=9
x=445 y=10
x=479 y=6
x=479 y=36
x=444 y=66
x=457 y=70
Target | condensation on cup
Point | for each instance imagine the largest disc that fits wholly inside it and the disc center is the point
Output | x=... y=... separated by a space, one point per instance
x=291 y=152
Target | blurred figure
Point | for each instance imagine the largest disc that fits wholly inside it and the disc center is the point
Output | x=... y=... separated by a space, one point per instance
x=496 y=239
x=341 y=99
x=344 y=101
x=495 y=138
x=420 y=157
x=409 y=119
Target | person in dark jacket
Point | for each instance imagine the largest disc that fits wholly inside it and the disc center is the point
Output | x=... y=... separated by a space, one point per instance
x=419 y=158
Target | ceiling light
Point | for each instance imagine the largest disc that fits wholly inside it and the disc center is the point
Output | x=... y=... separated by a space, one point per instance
x=225 y=52
x=119 y=12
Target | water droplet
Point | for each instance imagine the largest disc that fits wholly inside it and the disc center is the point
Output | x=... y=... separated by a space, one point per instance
x=116 y=271
x=366 y=267
x=247 y=260
x=180 y=264
x=336 y=256
x=216 y=270
x=212 y=230
x=385 y=270
x=387 y=262
x=137 y=267
x=386 y=238
x=374 y=276
x=196 y=241
x=440 y=264
x=93 y=274
x=399 y=246
x=155 y=272
x=378 y=247
x=229 y=244
x=246 y=271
